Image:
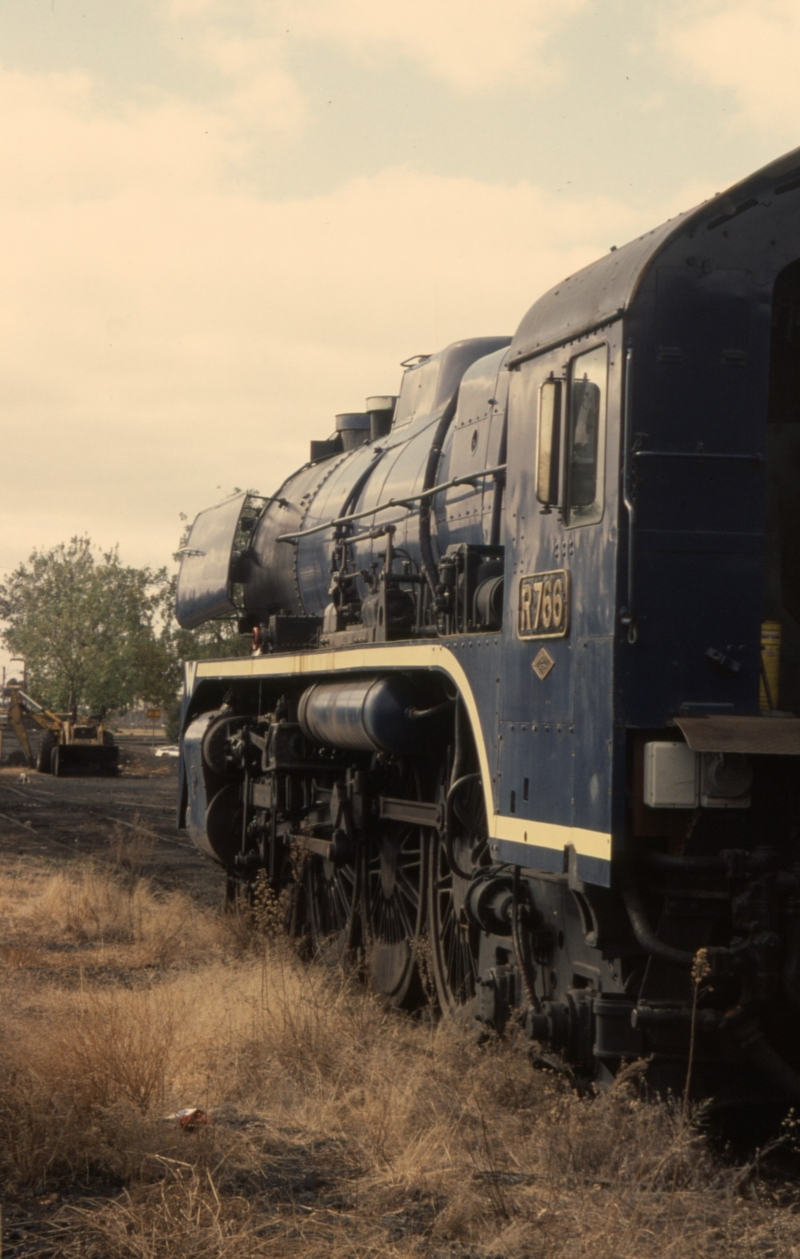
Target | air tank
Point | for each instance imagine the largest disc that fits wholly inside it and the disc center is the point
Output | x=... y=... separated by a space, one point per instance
x=360 y=714
x=372 y=714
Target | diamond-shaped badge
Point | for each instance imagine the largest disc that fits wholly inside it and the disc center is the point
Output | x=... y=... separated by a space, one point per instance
x=543 y=663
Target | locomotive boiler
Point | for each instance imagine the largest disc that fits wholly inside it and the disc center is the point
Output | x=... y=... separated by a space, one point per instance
x=518 y=732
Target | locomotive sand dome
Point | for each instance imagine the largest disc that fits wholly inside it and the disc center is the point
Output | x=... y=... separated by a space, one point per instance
x=503 y=696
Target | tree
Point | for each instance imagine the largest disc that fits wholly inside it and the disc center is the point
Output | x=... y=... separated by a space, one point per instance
x=93 y=631
x=90 y=628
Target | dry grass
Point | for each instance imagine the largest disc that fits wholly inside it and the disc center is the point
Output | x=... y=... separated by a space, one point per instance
x=107 y=913
x=337 y=1129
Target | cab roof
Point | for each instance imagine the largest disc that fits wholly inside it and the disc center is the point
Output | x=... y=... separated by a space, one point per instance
x=604 y=290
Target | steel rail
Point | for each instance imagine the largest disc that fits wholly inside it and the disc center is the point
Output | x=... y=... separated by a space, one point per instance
x=97 y=809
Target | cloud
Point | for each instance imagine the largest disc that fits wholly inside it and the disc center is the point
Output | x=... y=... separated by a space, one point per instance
x=58 y=146
x=258 y=91
x=469 y=44
x=166 y=331
x=749 y=47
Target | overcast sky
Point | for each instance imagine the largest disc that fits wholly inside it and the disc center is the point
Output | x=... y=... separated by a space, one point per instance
x=223 y=221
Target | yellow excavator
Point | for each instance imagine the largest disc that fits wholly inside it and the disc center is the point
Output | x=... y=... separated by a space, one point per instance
x=67 y=746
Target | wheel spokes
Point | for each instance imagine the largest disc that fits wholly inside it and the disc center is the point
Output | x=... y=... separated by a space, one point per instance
x=395 y=904
x=332 y=897
x=454 y=943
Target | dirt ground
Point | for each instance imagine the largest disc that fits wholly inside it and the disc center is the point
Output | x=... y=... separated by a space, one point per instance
x=61 y=818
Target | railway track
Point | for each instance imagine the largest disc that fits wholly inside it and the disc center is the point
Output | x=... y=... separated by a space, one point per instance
x=37 y=797
x=81 y=816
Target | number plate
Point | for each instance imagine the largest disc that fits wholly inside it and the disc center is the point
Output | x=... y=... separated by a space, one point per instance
x=544 y=605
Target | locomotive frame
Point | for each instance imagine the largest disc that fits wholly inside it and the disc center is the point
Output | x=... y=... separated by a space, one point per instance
x=504 y=705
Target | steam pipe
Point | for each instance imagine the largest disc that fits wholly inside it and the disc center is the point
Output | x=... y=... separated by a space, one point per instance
x=355 y=490
x=646 y=936
x=421 y=714
x=448 y=831
x=497 y=499
x=649 y=941
x=469 y=479
x=456 y=780
x=434 y=455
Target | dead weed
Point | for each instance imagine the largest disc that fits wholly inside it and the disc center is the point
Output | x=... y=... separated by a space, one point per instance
x=337 y=1128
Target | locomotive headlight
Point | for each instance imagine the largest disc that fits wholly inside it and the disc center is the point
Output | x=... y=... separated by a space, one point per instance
x=725 y=780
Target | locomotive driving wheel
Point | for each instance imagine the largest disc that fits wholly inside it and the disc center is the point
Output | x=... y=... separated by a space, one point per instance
x=393 y=900
x=332 y=894
x=451 y=864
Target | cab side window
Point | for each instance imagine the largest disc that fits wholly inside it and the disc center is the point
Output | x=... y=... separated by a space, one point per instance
x=586 y=431
x=548 y=450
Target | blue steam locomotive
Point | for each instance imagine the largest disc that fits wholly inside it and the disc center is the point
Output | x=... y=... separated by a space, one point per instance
x=517 y=733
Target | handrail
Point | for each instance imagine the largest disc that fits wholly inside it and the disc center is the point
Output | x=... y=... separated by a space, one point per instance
x=757 y=457
x=469 y=479
x=627 y=614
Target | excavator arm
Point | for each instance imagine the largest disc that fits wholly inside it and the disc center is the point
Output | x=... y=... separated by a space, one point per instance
x=15 y=713
x=22 y=705
x=44 y=717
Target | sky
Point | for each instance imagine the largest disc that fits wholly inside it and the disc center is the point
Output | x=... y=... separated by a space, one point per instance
x=224 y=221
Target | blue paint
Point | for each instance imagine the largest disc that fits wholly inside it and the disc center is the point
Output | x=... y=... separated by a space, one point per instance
x=666 y=587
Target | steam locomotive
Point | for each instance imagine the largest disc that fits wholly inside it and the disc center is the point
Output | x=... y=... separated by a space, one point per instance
x=518 y=730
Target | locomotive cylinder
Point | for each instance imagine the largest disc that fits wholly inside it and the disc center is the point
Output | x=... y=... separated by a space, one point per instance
x=362 y=714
